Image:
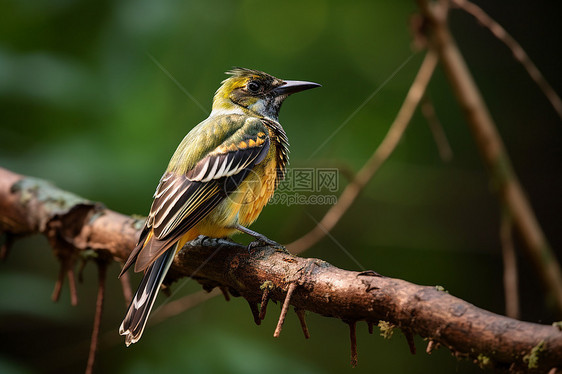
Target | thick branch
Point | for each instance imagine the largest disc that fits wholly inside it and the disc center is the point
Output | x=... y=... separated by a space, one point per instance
x=29 y=205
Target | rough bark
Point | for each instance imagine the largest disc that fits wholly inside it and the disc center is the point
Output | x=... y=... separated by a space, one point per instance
x=74 y=225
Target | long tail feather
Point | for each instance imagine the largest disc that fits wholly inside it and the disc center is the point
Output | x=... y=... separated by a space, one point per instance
x=137 y=315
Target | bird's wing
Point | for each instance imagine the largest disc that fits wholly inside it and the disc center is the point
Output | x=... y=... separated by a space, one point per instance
x=182 y=200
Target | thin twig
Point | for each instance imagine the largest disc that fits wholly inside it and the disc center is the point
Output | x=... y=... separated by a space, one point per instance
x=518 y=52
x=493 y=151
x=59 y=283
x=353 y=342
x=431 y=346
x=370 y=327
x=510 y=280
x=72 y=285
x=301 y=314
x=126 y=286
x=264 y=299
x=102 y=273
x=443 y=147
x=110 y=338
x=284 y=310
x=255 y=312
x=410 y=340
x=381 y=154
x=225 y=294
x=6 y=246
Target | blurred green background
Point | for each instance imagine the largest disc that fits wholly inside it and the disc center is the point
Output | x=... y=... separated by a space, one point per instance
x=83 y=104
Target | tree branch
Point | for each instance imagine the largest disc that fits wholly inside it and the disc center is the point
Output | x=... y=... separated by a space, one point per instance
x=29 y=205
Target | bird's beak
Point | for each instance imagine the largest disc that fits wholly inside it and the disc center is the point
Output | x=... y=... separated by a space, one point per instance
x=291 y=87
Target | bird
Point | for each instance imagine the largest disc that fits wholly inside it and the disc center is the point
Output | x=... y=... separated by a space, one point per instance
x=217 y=182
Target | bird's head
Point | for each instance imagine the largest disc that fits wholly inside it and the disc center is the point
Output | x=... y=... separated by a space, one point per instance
x=255 y=92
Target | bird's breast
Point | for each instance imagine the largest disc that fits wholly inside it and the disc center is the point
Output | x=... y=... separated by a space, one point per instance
x=257 y=188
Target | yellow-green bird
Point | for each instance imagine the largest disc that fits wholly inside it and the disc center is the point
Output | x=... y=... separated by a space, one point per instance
x=218 y=181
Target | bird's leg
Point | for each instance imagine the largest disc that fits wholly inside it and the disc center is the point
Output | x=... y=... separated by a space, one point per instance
x=261 y=240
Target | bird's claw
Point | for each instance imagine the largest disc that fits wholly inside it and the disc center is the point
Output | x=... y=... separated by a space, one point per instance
x=265 y=242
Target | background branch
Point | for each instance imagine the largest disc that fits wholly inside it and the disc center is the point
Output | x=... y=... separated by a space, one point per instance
x=26 y=207
x=518 y=52
x=443 y=146
x=381 y=154
x=510 y=279
x=492 y=149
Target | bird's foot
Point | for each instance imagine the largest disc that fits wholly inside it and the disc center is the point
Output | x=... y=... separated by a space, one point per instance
x=263 y=241
x=203 y=241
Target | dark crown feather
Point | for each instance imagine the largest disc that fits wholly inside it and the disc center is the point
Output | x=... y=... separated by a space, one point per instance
x=239 y=72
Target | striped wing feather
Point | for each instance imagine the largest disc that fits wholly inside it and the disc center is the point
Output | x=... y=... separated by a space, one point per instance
x=182 y=200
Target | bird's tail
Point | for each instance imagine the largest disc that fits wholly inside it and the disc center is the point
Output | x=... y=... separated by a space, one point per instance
x=137 y=314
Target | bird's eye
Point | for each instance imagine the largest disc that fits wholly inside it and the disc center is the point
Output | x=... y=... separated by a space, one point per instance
x=253 y=86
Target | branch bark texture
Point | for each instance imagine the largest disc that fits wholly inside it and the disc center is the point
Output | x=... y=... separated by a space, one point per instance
x=74 y=226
